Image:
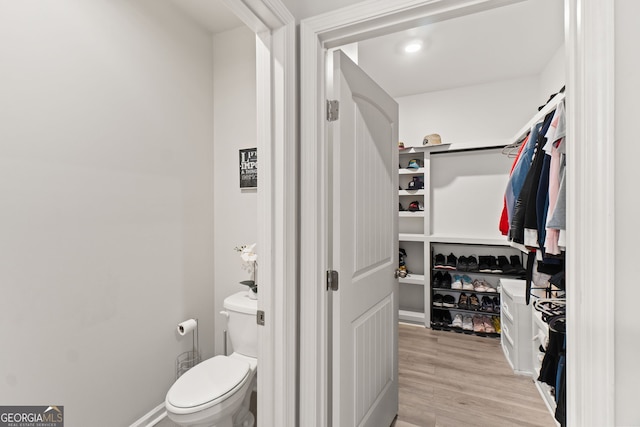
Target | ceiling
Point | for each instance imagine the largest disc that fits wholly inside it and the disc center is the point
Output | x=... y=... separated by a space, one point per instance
x=504 y=43
x=499 y=44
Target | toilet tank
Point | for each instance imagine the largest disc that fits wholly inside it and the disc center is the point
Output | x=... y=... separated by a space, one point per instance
x=241 y=323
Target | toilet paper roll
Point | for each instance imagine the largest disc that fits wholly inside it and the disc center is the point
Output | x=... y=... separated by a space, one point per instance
x=187 y=326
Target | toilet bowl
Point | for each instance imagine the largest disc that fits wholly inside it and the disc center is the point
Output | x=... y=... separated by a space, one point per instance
x=217 y=392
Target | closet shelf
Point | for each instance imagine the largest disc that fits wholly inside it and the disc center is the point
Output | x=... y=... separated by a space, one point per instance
x=409 y=237
x=470 y=146
x=422 y=148
x=490 y=241
x=409 y=214
x=479 y=273
x=412 y=279
x=461 y=331
x=520 y=247
x=468 y=291
x=419 y=171
x=467 y=311
x=411 y=192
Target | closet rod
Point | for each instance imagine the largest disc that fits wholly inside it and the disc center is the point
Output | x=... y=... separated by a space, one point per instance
x=551 y=106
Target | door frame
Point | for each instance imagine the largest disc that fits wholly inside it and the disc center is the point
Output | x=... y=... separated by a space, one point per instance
x=589 y=45
x=277 y=118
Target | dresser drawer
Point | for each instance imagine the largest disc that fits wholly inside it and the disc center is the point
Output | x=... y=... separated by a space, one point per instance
x=515 y=317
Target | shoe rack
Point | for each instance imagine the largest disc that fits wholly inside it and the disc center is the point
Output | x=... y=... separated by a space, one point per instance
x=458 y=211
x=465 y=296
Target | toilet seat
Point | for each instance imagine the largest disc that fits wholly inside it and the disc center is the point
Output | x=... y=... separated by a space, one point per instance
x=207 y=384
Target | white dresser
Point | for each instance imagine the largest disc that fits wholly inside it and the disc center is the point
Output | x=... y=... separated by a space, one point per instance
x=515 y=319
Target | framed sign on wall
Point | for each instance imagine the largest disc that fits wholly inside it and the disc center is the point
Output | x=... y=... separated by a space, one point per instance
x=249 y=168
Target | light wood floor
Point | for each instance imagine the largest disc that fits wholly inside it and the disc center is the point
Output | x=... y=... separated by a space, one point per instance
x=456 y=380
x=451 y=379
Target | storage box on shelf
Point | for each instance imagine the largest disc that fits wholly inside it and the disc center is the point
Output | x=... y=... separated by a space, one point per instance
x=465 y=295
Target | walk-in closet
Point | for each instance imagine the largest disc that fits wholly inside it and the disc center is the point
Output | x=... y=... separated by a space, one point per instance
x=481 y=208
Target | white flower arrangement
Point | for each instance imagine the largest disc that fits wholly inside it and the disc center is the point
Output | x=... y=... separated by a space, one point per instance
x=249 y=259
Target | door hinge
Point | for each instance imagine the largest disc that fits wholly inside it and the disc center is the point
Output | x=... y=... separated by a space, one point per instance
x=260 y=317
x=333 y=110
x=332 y=280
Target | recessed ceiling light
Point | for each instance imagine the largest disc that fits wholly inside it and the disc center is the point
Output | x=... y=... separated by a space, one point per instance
x=413 y=47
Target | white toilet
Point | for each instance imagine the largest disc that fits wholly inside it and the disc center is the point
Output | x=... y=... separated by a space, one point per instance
x=217 y=392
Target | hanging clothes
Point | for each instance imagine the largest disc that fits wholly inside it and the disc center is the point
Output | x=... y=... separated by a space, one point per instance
x=519 y=171
x=557 y=202
x=504 y=217
x=524 y=212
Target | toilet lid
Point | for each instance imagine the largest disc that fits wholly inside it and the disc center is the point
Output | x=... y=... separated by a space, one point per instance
x=207 y=381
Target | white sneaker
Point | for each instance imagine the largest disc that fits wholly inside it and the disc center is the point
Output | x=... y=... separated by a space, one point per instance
x=457 y=283
x=457 y=321
x=467 y=323
x=479 y=286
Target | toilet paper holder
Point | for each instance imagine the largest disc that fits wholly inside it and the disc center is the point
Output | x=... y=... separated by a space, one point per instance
x=188 y=359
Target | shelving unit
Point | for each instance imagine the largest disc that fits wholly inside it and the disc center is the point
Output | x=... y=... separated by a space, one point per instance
x=516 y=326
x=491 y=278
x=462 y=198
x=412 y=239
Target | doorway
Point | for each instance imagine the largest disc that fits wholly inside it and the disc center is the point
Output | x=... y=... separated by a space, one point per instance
x=355 y=25
x=476 y=91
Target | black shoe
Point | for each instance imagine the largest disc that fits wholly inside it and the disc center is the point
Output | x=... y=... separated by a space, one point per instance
x=437 y=280
x=436 y=319
x=483 y=265
x=463 y=264
x=437 y=300
x=452 y=262
x=472 y=263
x=496 y=304
x=486 y=304
x=493 y=265
x=439 y=261
x=517 y=265
x=504 y=266
x=446 y=280
x=448 y=301
x=446 y=318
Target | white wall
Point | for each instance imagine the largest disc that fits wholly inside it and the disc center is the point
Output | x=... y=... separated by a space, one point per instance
x=627 y=212
x=235 y=117
x=106 y=190
x=553 y=76
x=469 y=114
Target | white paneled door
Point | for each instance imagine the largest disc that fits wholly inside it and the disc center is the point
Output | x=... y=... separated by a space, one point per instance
x=364 y=249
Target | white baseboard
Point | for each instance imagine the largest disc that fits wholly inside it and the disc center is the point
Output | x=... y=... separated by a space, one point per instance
x=151 y=418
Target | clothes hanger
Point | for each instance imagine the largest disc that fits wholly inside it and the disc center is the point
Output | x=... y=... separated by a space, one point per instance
x=551 y=307
x=558 y=324
x=512 y=149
